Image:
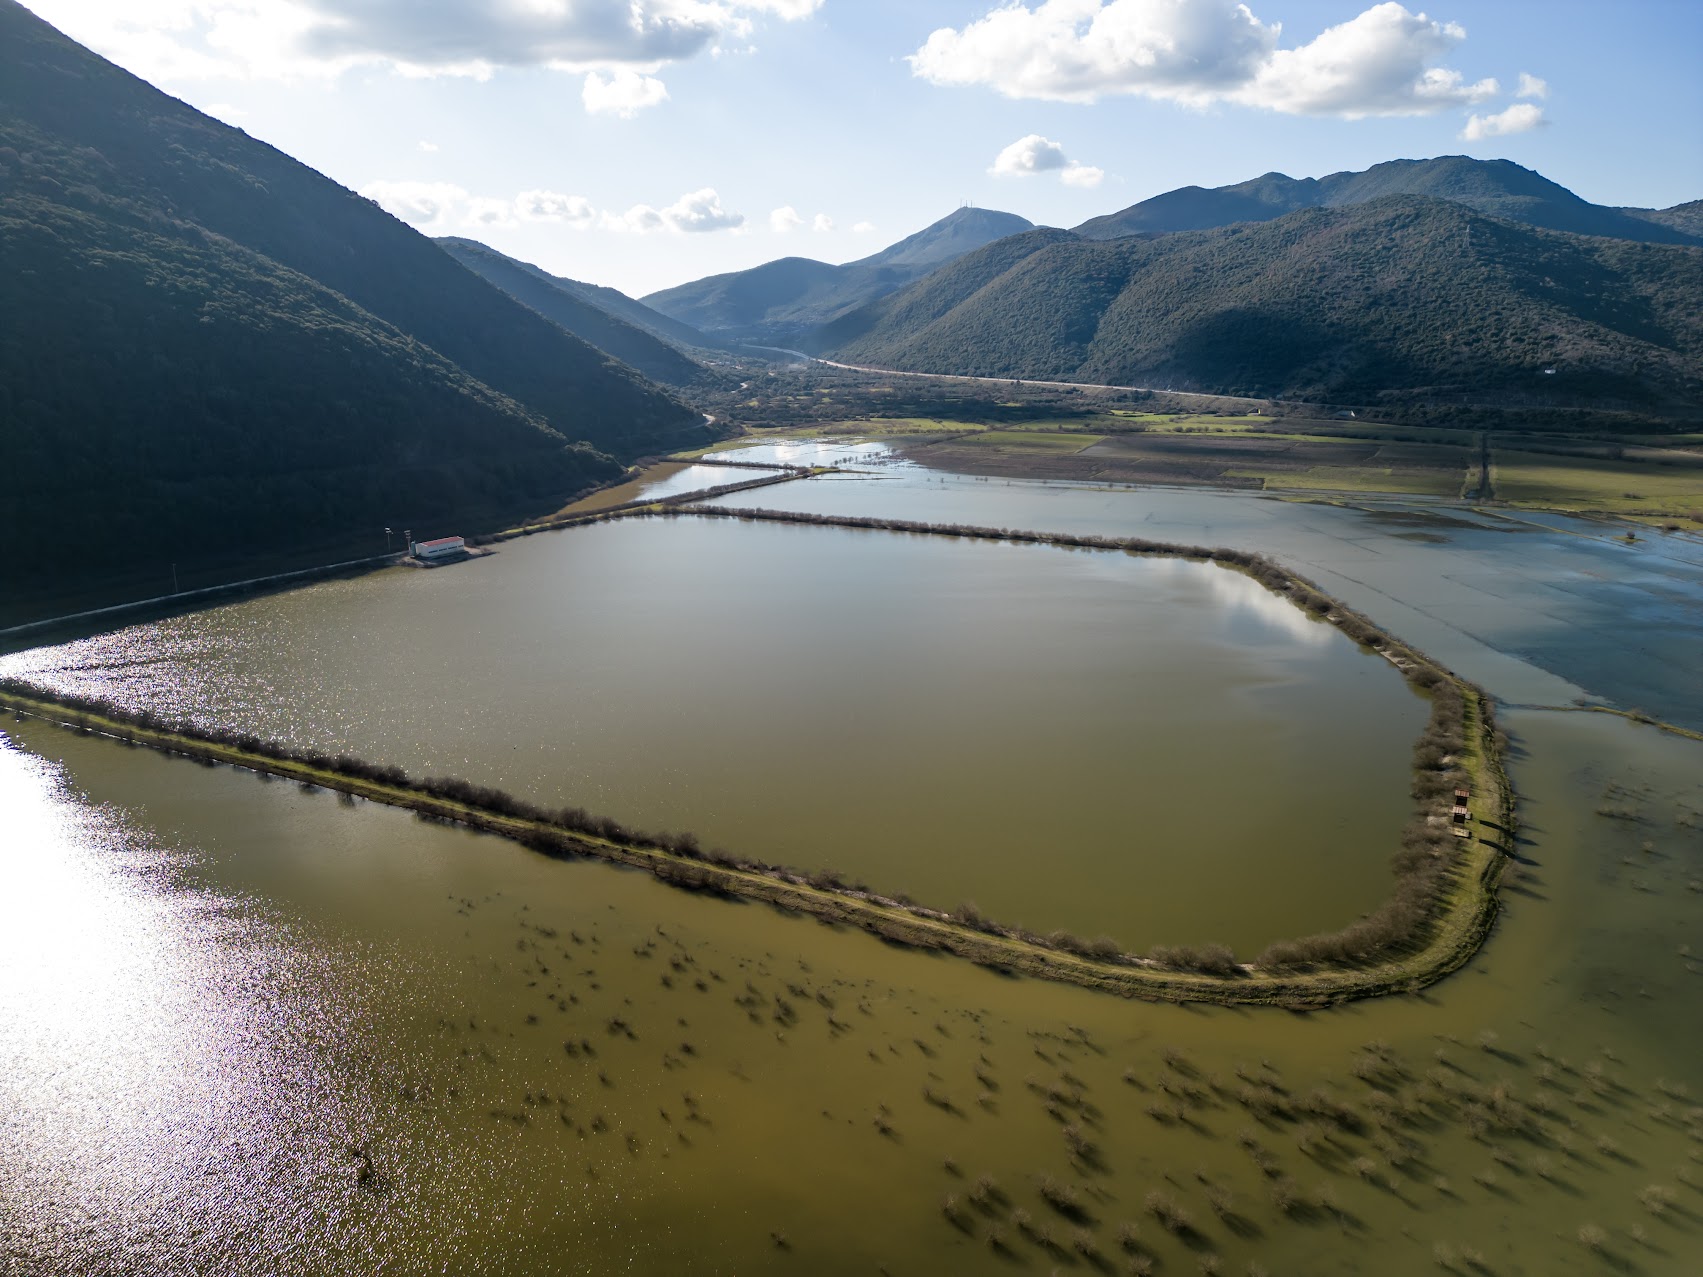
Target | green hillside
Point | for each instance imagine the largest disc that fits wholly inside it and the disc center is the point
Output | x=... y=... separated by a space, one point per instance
x=935 y=294
x=640 y=315
x=209 y=351
x=1400 y=299
x=781 y=301
x=558 y=302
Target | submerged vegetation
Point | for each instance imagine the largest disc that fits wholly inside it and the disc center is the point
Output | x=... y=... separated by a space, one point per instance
x=1441 y=909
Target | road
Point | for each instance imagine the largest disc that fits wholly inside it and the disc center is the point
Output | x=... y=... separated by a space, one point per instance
x=1008 y=381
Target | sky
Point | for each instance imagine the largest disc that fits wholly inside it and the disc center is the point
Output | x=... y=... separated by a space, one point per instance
x=645 y=143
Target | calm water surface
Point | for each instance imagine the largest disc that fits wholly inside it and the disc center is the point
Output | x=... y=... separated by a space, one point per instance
x=1155 y=749
x=1540 y=608
x=250 y=1029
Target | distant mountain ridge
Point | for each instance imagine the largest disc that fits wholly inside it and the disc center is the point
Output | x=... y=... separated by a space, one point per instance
x=780 y=300
x=1397 y=298
x=212 y=350
x=1499 y=188
x=565 y=302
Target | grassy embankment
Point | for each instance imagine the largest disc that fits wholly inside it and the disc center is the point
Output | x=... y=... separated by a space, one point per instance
x=1442 y=909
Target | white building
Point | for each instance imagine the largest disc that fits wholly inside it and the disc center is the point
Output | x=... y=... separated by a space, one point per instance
x=441 y=548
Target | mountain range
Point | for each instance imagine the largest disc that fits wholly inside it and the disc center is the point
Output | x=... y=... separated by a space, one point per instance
x=779 y=300
x=1356 y=292
x=1499 y=188
x=209 y=348
x=1400 y=298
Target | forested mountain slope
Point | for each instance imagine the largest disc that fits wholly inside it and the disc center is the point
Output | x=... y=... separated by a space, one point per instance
x=1400 y=298
x=204 y=343
x=558 y=301
x=781 y=300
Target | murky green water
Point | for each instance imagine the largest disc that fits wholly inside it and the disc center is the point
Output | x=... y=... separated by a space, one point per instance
x=250 y=1029
x=1155 y=749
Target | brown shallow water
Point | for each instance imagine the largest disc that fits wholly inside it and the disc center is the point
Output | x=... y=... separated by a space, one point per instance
x=1145 y=747
x=246 y=1028
x=223 y=993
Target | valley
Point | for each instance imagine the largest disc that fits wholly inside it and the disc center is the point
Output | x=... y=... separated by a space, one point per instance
x=1157 y=734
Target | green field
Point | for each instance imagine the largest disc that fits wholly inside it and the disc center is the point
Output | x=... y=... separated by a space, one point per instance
x=1667 y=491
x=1052 y=442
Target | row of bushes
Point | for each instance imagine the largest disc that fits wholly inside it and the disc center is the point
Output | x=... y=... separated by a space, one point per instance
x=787 y=474
x=1421 y=867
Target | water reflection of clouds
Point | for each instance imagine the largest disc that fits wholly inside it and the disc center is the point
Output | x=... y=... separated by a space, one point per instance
x=1243 y=598
x=815 y=452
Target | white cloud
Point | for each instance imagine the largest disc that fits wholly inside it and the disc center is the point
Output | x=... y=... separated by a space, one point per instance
x=552 y=206
x=1035 y=154
x=694 y=212
x=862 y=228
x=437 y=206
x=701 y=211
x=791 y=10
x=179 y=39
x=639 y=219
x=784 y=219
x=423 y=205
x=1379 y=63
x=821 y=223
x=1027 y=155
x=1531 y=86
x=623 y=92
x=430 y=148
x=1201 y=52
x=483 y=211
x=1080 y=50
x=1522 y=117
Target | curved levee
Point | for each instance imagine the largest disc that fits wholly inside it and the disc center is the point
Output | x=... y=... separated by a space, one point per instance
x=1456 y=919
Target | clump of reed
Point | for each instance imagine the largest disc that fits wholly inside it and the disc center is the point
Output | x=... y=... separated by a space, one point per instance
x=1062 y=1197
x=1169 y=1212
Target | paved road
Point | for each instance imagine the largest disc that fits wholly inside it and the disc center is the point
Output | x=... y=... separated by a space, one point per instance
x=1008 y=381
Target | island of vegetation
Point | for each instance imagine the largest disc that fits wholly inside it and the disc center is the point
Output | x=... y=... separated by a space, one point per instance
x=1446 y=870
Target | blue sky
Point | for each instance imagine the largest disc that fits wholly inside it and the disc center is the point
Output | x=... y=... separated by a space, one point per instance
x=642 y=143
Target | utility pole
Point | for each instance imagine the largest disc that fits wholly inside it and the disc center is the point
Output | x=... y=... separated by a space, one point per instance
x=174 y=589
x=387 y=540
